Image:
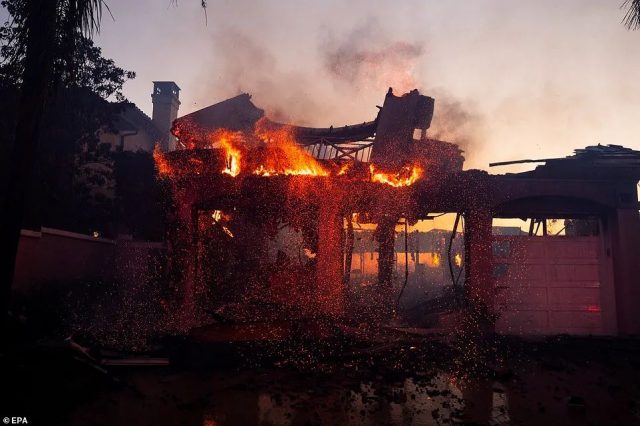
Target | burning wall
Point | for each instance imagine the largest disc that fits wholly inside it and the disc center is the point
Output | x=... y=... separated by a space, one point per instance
x=262 y=180
x=263 y=176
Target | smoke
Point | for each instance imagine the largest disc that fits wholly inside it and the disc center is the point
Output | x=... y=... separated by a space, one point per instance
x=367 y=59
x=456 y=121
x=349 y=75
x=364 y=62
x=246 y=65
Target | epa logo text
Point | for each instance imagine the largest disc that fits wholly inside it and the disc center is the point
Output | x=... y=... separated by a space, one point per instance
x=15 y=421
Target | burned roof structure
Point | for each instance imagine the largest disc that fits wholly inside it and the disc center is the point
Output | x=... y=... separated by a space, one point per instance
x=392 y=131
x=315 y=180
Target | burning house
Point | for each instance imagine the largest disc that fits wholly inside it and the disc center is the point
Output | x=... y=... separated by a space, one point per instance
x=242 y=182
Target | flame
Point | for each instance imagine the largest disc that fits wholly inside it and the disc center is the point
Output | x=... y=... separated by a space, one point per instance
x=163 y=166
x=229 y=142
x=407 y=176
x=283 y=154
x=278 y=154
x=232 y=167
x=218 y=217
x=344 y=169
x=261 y=171
x=435 y=258
x=457 y=259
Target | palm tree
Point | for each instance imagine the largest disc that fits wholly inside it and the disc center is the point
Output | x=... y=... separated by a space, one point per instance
x=632 y=17
x=42 y=21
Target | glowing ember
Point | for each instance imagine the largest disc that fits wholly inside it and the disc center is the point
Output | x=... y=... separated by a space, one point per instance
x=407 y=176
x=163 y=166
x=309 y=253
x=261 y=171
x=218 y=217
x=227 y=231
x=344 y=169
x=274 y=151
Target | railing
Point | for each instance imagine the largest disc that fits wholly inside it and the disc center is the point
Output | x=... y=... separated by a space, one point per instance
x=326 y=149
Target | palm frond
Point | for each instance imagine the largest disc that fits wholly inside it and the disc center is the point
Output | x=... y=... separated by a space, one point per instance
x=85 y=15
x=631 y=18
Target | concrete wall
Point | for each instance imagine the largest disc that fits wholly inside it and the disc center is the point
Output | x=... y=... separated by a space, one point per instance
x=53 y=255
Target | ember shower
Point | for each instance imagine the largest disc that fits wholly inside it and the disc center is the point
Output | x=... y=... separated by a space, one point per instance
x=238 y=185
x=241 y=180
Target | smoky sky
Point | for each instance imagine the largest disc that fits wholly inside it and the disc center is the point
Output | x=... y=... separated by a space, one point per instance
x=511 y=79
x=356 y=66
x=458 y=121
x=368 y=58
x=250 y=66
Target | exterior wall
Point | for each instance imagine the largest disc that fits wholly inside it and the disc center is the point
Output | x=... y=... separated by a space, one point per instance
x=141 y=141
x=132 y=142
x=553 y=285
x=109 y=138
x=53 y=255
x=623 y=233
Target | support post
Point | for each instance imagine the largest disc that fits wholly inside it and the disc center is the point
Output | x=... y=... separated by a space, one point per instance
x=478 y=251
x=625 y=234
x=329 y=272
x=349 y=242
x=385 y=235
x=182 y=254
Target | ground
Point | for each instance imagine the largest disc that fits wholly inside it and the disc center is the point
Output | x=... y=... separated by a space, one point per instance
x=425 y=381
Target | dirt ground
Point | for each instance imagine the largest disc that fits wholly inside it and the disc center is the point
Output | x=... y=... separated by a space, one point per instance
x=563 y=381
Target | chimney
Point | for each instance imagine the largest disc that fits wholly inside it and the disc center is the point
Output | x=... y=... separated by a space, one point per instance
x=166 y=102
x=398 y=119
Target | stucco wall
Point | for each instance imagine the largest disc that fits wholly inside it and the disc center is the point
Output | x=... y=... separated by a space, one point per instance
x=53 y=255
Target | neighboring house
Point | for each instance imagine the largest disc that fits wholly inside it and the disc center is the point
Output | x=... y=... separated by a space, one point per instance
x=127 y=130
x=97 y=210
x=133 y=130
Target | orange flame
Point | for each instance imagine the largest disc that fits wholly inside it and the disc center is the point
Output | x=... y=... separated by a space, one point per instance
x=219 y=217
x=261 y=171
x=229 y=142
x=283 y=154
x=163 y=166
x=344 y=169
x=232 y=167
x=280 y=154
x=407 y=176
